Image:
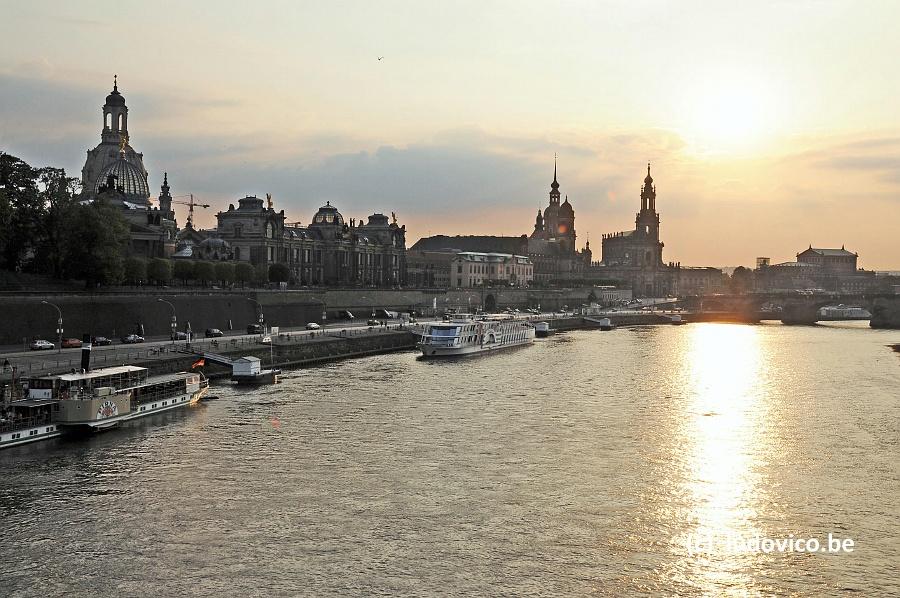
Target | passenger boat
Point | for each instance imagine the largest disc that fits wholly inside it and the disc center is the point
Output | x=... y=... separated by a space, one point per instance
x=466 y=336
x=843 y=312
x=93 y=400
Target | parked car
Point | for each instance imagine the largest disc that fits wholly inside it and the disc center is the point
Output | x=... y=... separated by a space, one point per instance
x=373 y=322
x=214 y=332
x=71 y=343
x=132 y=339
x=255 y=329
x=41 y=345
x=266 y=340
x=179 y=336
x=100 y=341
x=312 y=326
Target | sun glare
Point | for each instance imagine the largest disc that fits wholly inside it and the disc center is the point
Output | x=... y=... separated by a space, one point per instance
x=728 y=115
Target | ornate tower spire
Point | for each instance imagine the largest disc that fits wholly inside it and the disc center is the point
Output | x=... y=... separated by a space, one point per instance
x=554 y=186
x=539 y=222
x=165 y=198
x=115 y=116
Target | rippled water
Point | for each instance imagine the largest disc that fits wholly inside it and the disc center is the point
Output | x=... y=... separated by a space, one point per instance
x=581 y=465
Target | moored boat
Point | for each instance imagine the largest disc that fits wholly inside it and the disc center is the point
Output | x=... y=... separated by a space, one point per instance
x=465 y=336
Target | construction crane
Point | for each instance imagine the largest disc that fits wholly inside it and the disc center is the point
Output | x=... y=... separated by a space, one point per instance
x=191 y=205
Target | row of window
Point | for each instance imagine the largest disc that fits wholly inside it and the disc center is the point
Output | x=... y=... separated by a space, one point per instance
x=18 y=435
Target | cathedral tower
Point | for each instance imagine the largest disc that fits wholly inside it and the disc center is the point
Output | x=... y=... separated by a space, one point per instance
x=647 y=220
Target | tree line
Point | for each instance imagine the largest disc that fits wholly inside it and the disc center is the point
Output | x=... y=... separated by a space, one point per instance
x=159 y=271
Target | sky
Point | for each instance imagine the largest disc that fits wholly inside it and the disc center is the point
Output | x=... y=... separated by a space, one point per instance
x=770 y=126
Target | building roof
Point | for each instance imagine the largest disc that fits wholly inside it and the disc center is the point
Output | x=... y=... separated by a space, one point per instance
x=129 y=178
x=829 y=252
x=478 y=243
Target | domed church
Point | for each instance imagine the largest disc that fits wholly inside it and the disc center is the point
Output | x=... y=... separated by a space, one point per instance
x=114 y=171
x=114 y=155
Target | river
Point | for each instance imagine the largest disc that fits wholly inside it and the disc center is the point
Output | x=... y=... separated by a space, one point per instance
x=589 y=463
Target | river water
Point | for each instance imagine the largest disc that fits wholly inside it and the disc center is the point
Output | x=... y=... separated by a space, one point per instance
x=590 y=463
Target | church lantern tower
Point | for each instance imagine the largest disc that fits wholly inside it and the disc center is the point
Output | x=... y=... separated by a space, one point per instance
x=115 y=116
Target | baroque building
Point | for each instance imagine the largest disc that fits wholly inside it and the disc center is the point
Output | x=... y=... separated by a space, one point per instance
x=328 y=251
x=550 y=247
x=114 y=155
x=635 y=256
x=116 y=172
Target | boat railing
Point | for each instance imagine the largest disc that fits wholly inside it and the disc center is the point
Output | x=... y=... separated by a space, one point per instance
x=13 y=424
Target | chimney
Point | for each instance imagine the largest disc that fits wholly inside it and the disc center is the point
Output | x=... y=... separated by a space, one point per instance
x=86 y=353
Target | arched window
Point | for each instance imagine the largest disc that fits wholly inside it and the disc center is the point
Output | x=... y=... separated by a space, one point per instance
x=121 y=125
x=270 y=233
x=107 y=120
x=237 y=253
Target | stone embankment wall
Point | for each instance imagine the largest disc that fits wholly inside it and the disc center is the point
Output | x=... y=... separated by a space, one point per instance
x=22 y=316
x=113 y=316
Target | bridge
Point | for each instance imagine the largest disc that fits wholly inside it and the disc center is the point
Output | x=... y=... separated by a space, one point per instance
x=797 y=308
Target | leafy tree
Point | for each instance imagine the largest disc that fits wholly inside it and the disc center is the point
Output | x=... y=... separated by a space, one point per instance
x=741 y=280
x=135 y=270
x=204 y=272
x=243 y=273
x=183 y=270
x=225 y=273
x=57 y=193
x=159 y=270
x=279 y=273
x=95 y=239
x=261 y=274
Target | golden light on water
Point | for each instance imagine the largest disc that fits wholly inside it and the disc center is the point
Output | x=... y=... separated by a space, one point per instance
x=722 y=429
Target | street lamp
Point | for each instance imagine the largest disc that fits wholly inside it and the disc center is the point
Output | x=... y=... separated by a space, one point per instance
x=174 y=320
x=59 y=328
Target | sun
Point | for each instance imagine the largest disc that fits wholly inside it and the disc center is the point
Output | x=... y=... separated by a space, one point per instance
x=728 y=114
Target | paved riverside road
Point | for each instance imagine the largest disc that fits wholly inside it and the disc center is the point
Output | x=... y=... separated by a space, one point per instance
x=30 y=363
x=38 y=362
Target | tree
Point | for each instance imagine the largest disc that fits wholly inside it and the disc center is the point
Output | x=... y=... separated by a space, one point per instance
x=260 y=274
x=741 y=280
x=135 y=270
x=225 y=273
x=159 y=270
x=204 y=272
x=279 y=273
x=243 y=273
x=34 y=208
x=95 y=239
x=183 y=270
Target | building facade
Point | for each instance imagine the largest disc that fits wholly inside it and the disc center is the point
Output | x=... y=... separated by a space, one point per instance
x=328 y=251
x=550 y=247
x=826 y=269
x=470 y=269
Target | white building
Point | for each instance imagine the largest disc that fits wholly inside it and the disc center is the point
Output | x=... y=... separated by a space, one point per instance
x=472 y=269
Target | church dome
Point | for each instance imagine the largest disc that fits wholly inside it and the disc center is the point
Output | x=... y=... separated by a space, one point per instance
x=128 y=177
x=115 y=98
x=328 y=214
x=566 y=207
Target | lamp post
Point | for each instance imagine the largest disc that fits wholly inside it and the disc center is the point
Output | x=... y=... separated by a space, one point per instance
x=59 y=328
x=259 y=305
x=174 y=320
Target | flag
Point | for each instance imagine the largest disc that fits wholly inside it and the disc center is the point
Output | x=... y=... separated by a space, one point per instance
x=199 y=363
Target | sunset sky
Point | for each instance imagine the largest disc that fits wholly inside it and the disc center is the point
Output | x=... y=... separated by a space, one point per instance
x=770 y=125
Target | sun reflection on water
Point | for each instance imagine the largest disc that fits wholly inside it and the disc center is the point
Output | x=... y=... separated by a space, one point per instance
x=722 y=431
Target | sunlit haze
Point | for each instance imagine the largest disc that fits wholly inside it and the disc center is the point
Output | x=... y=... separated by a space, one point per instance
x=770 y=125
